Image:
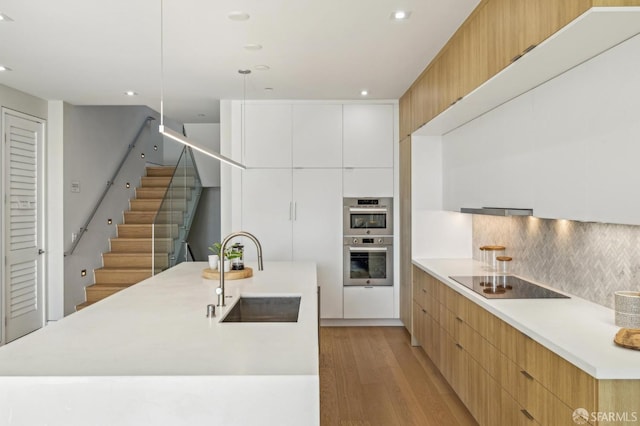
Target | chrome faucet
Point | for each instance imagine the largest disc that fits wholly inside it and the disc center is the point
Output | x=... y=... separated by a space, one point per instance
x=223 y=245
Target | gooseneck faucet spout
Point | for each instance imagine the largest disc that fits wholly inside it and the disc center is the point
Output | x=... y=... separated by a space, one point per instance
x=223 y=245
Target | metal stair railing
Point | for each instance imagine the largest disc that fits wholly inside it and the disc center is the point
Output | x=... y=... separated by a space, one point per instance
x=110 y=182
x=177 y=209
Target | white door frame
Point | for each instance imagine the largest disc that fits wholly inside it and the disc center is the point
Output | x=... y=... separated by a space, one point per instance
x=41 y=211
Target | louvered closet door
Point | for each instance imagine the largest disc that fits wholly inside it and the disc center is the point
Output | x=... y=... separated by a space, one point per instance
x=24 y=302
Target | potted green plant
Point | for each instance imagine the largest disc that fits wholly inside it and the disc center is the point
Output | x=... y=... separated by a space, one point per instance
x=214 y=259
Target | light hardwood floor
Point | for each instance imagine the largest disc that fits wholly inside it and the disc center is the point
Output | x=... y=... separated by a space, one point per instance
x=373 y=376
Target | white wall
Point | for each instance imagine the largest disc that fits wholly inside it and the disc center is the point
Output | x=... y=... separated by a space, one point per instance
x=54 y=152
x=435 y=233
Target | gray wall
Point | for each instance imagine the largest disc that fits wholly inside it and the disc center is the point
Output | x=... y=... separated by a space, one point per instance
x=95 y=140
x=22 y=102
x=205 y=228
x=589 y=260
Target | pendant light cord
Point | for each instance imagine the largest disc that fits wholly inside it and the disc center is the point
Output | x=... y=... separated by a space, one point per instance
x=162 y=63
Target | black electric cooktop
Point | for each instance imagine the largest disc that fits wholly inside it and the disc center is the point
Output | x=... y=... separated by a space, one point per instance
x=507 y=287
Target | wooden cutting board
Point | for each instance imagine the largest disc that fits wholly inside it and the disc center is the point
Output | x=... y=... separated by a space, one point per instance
x=214 y=274
x=628 y=338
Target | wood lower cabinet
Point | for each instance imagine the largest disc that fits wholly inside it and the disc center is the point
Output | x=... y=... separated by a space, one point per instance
x=500 y=374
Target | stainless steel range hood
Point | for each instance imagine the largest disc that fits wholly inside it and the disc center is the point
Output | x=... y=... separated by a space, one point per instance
x=498 y=211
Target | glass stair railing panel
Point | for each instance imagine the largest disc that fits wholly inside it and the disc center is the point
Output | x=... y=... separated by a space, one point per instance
x=174 y=217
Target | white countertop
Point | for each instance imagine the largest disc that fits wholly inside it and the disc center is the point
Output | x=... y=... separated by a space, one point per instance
x=159 y=328
x=579 y=331
x=149 y=355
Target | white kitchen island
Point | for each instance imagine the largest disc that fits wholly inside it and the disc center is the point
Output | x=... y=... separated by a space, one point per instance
x=149 y=355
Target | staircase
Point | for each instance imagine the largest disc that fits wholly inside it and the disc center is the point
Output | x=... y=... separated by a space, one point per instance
x=130 y=258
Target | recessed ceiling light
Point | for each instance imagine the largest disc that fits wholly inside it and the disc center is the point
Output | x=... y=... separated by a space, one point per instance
x=3 y=68
x=400 y=15
x=238 y=16
x=364 y=93
x=253 y=46
x=5 y=18
x=130 y=93
x=262 y=68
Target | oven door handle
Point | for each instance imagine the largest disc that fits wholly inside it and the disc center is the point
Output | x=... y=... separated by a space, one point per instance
x=366 y=210
x=366 y=249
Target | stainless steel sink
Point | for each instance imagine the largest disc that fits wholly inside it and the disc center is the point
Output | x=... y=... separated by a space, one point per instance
x=264 y=309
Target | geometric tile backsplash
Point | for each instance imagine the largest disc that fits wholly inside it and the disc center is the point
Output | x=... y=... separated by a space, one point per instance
x=589 y=260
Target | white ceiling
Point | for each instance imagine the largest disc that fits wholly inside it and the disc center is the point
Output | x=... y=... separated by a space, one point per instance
x=88 y=52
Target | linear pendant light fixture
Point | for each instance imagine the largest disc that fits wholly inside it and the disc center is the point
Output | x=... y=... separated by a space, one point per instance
x=165 y=131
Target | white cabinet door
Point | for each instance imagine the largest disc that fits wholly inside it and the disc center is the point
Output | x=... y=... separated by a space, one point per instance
x=368 y=135
x=267 y=135
x=317 y=231
x=368 y=302
x=317 y=135
x=266 y=211
x=368 y=182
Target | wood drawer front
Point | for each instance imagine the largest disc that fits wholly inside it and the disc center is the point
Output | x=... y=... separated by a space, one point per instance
x=511 y=412
x=544 y=406
x=419 y=285
x=418 y=323
x=569 y=383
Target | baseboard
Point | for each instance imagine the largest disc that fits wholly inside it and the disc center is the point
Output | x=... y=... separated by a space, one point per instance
x=391 y=322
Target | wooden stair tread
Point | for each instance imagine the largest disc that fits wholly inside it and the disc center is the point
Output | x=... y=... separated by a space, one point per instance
x=130 y=254
x=160 y=170
x=108 y=286
x=83 y=305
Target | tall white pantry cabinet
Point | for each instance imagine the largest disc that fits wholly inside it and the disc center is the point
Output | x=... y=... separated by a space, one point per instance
x=302 y=158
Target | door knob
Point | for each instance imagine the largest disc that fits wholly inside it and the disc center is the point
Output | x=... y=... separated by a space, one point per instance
x=40 y=251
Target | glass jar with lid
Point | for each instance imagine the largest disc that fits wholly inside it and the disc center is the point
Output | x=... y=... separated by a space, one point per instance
x=503 y=265
x=493 y=252
x=237 y=257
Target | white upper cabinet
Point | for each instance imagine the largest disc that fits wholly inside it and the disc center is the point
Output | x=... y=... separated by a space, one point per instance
x=368 y=135
x=364 y=182
x=568 y=149
x=267 y=135
x=317 y=135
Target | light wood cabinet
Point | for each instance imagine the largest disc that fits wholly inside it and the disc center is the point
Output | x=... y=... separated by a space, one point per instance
x=405 y=231
x=404 y=107
x=500 y=374
x=497 y=33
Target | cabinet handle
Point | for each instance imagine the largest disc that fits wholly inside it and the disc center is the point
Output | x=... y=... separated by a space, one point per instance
x=295 y=211
x=527 y=375
x=459 y=319
x=368 y=286
x=424 y=290
x=424 y=311
x=459 y=346
x=529 y=49
x=515 y=58
x=527 y=414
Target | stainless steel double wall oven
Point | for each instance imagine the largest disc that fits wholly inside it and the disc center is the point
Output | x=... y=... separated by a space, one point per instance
x=368 y=241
